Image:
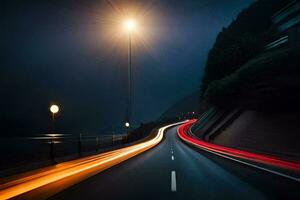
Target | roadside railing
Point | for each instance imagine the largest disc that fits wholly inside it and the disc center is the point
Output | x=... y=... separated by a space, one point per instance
x=23 y=152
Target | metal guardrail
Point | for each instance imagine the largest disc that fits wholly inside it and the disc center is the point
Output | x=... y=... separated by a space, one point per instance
x=286 y=22
x=285 y=12
x=277 y=43
x=20 y=151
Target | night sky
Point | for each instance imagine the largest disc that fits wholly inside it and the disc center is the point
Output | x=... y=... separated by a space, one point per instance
x=74 y=53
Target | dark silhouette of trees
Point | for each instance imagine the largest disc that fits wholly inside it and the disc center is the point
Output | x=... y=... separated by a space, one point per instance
x=241 y=41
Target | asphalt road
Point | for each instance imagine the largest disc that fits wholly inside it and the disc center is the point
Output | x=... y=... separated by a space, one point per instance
x=190 y=173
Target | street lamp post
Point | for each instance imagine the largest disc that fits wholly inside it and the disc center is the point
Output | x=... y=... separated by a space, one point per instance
x=130 y=26
x=54 y=109
x=127 y=125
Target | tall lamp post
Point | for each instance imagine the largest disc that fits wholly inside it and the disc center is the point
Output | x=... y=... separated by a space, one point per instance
x=130 y=26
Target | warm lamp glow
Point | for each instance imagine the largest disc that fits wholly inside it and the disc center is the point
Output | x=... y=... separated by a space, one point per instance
x=130 y=25
x=54 y=109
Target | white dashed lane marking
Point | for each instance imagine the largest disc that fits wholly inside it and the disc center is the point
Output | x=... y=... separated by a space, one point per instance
x=173 y=181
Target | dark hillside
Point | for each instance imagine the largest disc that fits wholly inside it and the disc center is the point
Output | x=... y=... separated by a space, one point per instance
x=242 y=40
x=251 y=85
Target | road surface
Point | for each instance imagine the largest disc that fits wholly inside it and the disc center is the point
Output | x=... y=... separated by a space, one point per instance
x=174 y=170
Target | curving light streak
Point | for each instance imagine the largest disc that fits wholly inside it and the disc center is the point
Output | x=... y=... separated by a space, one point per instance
x=76 y=170
x=260 y=158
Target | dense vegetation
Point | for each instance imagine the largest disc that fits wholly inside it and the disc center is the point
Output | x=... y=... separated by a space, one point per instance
x=241 y=41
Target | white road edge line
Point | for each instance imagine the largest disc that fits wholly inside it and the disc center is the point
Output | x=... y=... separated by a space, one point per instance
x=252 y=165
x=173 y=181
x=172 y=157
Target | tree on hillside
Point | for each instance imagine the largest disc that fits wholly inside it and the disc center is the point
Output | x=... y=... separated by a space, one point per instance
x=243 y=39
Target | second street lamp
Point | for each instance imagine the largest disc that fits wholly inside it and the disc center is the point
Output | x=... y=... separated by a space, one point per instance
x=54 y=109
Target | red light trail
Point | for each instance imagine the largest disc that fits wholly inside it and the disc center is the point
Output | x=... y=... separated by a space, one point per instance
x=260 y=158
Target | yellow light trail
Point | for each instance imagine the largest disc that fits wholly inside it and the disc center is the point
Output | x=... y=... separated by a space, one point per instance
x=76 y=170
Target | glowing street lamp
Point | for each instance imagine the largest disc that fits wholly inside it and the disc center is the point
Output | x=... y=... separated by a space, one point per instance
x=54 y=109
x=130 y=26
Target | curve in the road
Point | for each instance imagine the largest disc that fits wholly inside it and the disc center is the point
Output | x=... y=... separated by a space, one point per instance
x=77 y=170
x=236 y=153
x=191 y=174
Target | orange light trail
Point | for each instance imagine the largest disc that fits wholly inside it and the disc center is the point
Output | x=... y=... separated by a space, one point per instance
x=83 y=167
